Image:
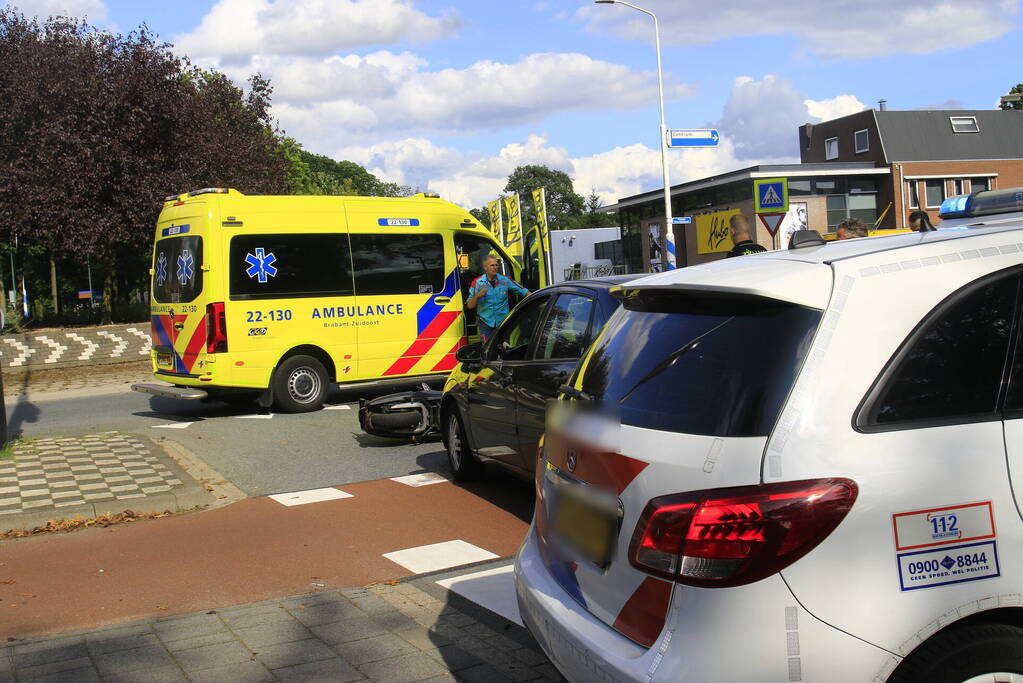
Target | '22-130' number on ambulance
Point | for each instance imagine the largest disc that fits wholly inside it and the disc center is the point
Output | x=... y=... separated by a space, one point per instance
x=260 y=316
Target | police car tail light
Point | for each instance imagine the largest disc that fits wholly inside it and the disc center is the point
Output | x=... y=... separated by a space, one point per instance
x=735 y=536
x=216 y=328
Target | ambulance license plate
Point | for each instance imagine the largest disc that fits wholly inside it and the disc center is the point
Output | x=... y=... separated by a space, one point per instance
x=588 y=528
x=164 y=360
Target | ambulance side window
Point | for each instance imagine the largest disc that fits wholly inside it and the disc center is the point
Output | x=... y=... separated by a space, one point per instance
x=289 y=266
x=177 y=269
x=398 y=264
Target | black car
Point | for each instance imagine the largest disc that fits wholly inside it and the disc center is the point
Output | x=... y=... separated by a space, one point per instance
x=494 y=402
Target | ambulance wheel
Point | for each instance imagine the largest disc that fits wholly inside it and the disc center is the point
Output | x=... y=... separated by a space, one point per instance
x=978 y=653
x=464 y=465
x=300 y=385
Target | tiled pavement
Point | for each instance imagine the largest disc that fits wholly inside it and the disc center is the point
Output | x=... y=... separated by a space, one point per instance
x=91 y=475
x=412 y=631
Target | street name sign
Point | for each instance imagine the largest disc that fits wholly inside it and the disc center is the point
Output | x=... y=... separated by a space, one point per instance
x=693 y=138
x=681 y=220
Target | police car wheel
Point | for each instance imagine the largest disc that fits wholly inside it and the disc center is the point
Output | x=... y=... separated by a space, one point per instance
x=978 y=653
x=300 y=385
x=464 y=465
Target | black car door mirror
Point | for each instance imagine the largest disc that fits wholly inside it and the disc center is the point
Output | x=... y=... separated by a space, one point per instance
x=470 y=353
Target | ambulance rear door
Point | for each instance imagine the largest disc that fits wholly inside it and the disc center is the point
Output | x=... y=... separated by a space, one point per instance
x=178 y=307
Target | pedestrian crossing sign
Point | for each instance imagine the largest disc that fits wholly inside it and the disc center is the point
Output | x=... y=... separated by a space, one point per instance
x=771 y=195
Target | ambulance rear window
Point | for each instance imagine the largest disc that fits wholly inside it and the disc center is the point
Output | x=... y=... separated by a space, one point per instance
x=699 y=364
x=177 y=269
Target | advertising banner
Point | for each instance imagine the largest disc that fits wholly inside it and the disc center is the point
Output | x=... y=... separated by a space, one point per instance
x=712 y=234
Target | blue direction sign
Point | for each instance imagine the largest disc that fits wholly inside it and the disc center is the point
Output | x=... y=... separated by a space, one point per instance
x=693 y=138
x=681 y=220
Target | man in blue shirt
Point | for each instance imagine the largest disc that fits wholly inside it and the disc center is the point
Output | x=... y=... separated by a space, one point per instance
x=489 y=295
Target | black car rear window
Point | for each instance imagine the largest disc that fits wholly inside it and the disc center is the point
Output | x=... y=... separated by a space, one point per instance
x=699 y=363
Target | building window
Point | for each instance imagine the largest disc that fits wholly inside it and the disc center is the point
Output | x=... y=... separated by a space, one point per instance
x=957 y=187
x=935 y=193
x=980 y=184
x=862 y=140
x=831 y=148
x=964 y=124
x=911 y=194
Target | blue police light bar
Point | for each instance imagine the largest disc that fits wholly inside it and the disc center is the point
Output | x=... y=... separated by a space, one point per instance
x=984 y=203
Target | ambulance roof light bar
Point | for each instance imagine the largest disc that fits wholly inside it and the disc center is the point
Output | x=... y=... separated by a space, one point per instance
x=983 y=203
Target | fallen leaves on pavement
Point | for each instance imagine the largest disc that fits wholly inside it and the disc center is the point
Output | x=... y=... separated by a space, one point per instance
x=63 y=525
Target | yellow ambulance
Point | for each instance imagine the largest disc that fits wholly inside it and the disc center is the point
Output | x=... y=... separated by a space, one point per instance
x=283 y=295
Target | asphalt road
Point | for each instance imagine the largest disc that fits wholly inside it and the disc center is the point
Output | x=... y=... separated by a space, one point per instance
x=260 y=452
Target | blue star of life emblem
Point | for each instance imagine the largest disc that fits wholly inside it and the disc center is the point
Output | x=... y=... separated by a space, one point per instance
x=261 y=265
x=161 y=269
x=186 y=267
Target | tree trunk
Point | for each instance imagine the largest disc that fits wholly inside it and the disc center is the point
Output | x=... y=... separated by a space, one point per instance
x=53 y=283
x=108 y=295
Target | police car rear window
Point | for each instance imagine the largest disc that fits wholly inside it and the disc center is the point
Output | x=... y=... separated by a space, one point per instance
x=700 y=364
x=177 y=269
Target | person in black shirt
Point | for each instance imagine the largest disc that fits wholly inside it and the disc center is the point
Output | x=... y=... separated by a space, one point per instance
x=738 y=226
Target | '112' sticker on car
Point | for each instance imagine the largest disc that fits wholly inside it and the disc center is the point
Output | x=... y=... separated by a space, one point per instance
x=933 y=546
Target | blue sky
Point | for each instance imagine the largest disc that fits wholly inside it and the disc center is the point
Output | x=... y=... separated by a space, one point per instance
x=451 y=96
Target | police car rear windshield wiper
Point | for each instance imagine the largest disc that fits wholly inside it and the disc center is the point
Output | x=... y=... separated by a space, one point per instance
x=672 y=359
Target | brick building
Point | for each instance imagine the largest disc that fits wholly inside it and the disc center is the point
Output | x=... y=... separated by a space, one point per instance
x=931 y=154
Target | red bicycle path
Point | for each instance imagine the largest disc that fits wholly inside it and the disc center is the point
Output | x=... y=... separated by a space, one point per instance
x=252 y=550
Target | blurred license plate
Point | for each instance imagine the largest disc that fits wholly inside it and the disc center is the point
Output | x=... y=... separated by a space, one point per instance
x=587 y=527
x=164 y=360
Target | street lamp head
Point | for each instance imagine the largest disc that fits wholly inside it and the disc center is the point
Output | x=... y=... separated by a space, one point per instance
x=604 y=2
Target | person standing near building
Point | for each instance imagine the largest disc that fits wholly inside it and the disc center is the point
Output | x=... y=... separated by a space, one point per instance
x=489 y=295
x=738 y=227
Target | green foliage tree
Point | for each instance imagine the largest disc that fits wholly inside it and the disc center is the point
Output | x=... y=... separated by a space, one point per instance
x=482 y=215
x=563 y=204
x=1015 y=104
x=317 y=174
x=97 y=128
x=593 y=217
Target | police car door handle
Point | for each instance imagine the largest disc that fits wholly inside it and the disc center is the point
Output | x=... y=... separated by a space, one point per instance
x=441 y=299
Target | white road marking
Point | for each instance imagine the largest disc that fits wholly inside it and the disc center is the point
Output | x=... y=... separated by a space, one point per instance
x=121 y=343
x=310 y=496
x=88 y=346
x=340 y=407
x=268 y=416
x=58 y=348
x=421 y=479
x=491 y=588
x=175 y=425
x=437 y=556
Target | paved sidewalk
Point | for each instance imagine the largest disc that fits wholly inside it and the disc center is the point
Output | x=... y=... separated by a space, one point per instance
x=87 y=476
x=409 y=631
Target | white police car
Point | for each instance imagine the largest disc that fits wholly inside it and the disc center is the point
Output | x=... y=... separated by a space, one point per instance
x=796 y=466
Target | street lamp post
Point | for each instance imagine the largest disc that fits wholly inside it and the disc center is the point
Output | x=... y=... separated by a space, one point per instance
x=669 y=235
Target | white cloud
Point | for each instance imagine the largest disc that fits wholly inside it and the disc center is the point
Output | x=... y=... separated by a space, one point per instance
x=335 y=99
x=864 y=29
x=761 y=118
x=836 y=107
x=238 y=29
x=92 y=10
